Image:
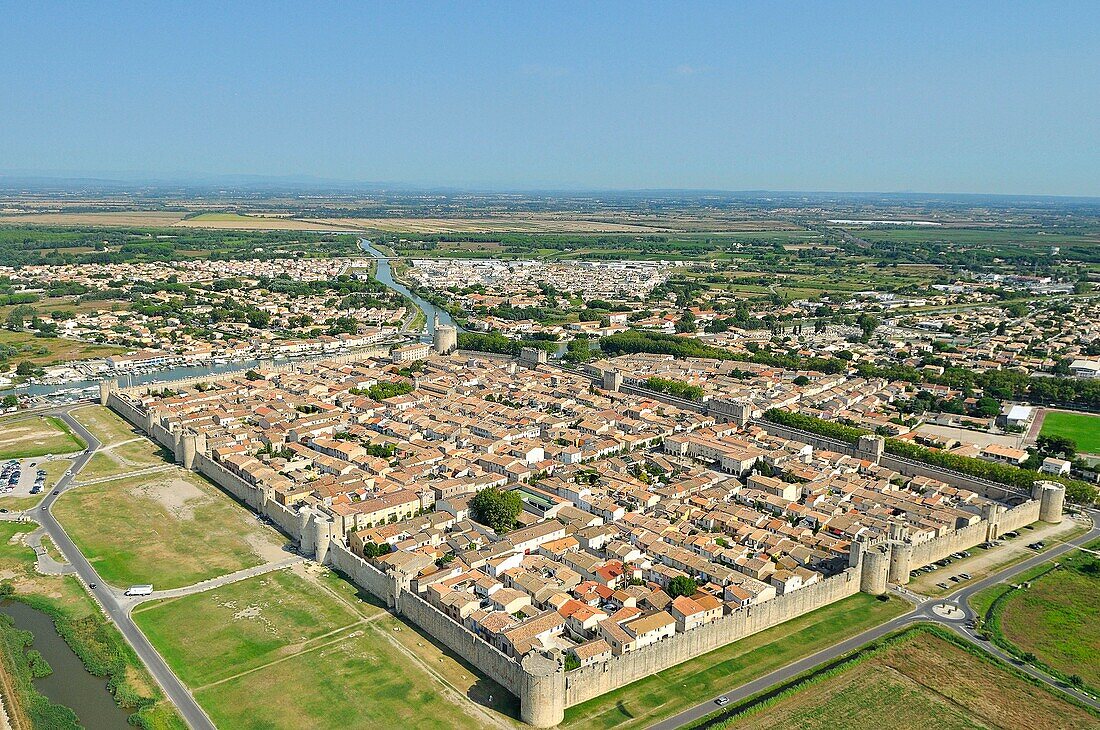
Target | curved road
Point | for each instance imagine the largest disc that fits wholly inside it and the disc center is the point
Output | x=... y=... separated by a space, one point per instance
x=923 y=611
x=116 y=611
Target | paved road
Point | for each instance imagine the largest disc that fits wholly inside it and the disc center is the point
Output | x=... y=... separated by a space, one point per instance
x=119 y=614
x=924 y=610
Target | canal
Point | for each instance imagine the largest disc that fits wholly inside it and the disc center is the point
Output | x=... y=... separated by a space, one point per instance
x=70 y=684
x=384 y=273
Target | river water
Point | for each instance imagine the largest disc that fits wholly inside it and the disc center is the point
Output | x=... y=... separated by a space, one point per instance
x=70 y=684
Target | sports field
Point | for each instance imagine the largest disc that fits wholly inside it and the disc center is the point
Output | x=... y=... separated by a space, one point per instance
x=923 y=681
x=298 y=648
x=674 y=690
x=170 y=528
x=1081 y=427
x=25 y=436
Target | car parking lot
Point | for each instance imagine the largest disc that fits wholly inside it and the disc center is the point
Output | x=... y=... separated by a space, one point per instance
x=955 y=570
x=22 y=477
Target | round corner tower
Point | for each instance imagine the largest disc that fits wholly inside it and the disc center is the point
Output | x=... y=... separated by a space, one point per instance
x=1052 y=498
x=541 y=691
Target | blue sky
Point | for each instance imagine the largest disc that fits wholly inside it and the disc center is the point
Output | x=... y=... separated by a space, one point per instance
x=878 y=96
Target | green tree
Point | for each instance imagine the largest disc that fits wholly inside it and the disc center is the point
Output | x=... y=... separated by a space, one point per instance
x=496 y=509
x=681 y=585
x=10 y=401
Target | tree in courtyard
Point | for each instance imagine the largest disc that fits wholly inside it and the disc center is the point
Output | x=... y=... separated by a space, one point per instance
x=374 y=550
x=495 y=508
x=681 y=585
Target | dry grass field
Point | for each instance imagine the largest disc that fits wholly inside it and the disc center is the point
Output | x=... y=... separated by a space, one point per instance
x=298 y=648
x=170 y=528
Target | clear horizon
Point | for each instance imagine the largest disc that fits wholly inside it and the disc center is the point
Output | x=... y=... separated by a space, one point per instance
x=992 y=98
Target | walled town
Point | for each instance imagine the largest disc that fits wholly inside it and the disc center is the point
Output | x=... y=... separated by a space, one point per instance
x=568 y=532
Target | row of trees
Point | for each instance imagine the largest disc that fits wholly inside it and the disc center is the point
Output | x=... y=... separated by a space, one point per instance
x=1076 y=491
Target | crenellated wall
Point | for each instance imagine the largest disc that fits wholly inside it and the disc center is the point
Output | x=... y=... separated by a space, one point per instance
x=596 y=679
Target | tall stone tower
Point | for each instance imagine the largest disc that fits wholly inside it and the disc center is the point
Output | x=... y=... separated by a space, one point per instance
x=444 y=337
x=1052 y=498
x=541 y=690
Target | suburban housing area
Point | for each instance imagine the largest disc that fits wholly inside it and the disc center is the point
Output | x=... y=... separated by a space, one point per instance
x=568 y=532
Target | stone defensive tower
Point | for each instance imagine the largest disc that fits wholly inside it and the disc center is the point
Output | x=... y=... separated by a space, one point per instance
x=612 y=380
x=444 y=338
x=1052 y=498
x=871 y=448
x=106 y=387
x=541 y=690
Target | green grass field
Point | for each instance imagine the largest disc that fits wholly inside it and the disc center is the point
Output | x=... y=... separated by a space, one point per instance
x=1081 y=427
x=170 y=528
x=922 y=681
x=27 y=436
x=295 y=649
x=685 y=685
x=52 y=350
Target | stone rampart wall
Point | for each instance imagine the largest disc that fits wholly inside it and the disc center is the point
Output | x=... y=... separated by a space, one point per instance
x=594 y=680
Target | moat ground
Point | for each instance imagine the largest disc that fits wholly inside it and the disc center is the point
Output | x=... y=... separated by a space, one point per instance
x=301 y=647
x=125 y=450
x=686 y=685
x=923 y=681
x=170 y=528
x=92 y=637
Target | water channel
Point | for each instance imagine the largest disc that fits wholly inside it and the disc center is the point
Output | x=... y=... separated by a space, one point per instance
x=70 y=684
x=384 y=274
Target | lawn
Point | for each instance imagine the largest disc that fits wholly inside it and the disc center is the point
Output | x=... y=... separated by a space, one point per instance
x=26 y=436
x=299 y=648
x=1058 y=618
x=921 y=681
x=1081 y=427
x=170 y=528
x=685 y=685
x=82 y=624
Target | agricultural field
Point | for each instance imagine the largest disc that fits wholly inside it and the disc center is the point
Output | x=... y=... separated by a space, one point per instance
x=85 y=629
x=920 y=681
x=1083 y=428
x=678 y=688
x=239 y=648
x=170 y=528
x=24 y=436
